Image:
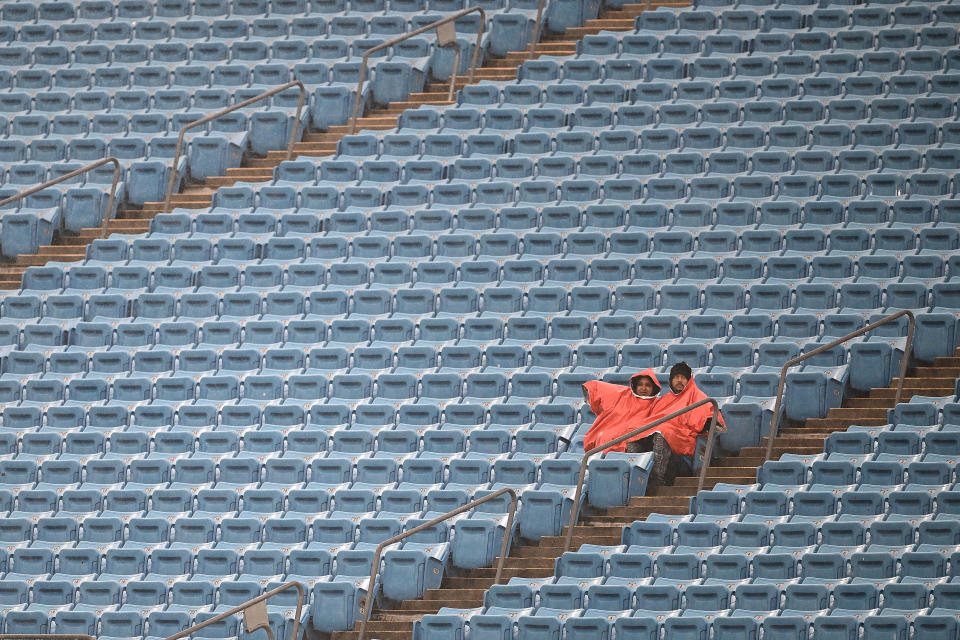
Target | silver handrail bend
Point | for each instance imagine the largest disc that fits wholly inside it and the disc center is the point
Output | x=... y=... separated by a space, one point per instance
x=775 y=420
x=366 y=604
x=446 y=36
x=67 y=176
x=255 y=614
x=294 y=130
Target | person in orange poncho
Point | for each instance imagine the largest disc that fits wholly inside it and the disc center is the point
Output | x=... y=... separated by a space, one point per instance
x=618 y=408
x=677 y=437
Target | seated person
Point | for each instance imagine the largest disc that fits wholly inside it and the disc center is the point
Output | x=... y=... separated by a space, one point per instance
x=635 y=407
x=618 y=408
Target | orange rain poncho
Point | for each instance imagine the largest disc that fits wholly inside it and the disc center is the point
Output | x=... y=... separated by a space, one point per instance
x=681 y=432
x=618 y=410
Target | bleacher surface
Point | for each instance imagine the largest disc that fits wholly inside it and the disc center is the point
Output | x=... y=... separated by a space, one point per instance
x=265 y=390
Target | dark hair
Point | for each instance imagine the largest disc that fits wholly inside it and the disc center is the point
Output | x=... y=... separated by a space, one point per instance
x=681 y=369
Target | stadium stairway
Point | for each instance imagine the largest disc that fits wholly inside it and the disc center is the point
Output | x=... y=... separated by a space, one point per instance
x=133 y=220
x=531 y=561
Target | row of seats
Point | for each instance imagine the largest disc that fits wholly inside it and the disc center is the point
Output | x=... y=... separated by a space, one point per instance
x=218 y=294
x=205 y=430
x=60 y=422
x=870 y=563
x=906 y=74
x=145 y=602
x=712 y=94
x=581 y=177
x=864 y=35
x=710 y=189
x=751 y=337
x=213 y=464
x=35 y=92
x=481 y=108
x=136 y=10
x=848 y=115
x=522 y=271
x=268 y=215
x=644 y=625
x=135 y=623
x=737 y=535
x=883 y=4
x=812 y=18
x=241 y=380
x=250 y=40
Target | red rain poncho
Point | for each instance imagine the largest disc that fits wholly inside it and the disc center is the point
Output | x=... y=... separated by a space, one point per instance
x=618 y=410
x=681 y=432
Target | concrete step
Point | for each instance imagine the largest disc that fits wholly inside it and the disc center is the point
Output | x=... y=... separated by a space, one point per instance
x=869 y=403
x=461 y=594
x=461 y=582
x=856 y=413
x=803 y=432
x=635 y=513
x=511 y=573
x=61 y=251
x=415 y=608
x=381 y=635
x=783 y=441
x=379 y=625
x=581 y=530
x=688 y=483
x=612 y=536
x=31 y=260
x=593 y=29
x=737 y=462
x=527 y=562
x=677 y=490
x=745 y=473
x=843 y=423
x=779 y=450
x=932 y=390
x=917 y=381
x=935 y=372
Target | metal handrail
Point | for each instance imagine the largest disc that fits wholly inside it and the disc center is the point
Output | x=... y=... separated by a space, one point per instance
x=575 y=510
x=366 y=604
x=294 y=131
x=775 y=420
x=67 y=176
x=536 y=30
x=255 y=615
x=446 y=37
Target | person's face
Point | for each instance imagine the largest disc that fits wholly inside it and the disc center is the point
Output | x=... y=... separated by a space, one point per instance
x=643 y=386
x=678 y=383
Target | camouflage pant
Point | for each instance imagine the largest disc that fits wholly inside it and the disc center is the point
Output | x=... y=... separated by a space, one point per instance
x=664 y=462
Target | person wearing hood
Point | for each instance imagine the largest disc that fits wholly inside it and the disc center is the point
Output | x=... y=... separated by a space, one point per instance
x=618 y=408
x=677 y=437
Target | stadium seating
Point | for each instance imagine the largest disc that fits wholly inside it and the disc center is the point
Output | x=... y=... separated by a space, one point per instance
x=862 y=537
x=123 y=80
x=266 y=390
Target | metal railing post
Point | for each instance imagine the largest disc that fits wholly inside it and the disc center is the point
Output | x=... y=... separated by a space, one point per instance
x=366 y=606
x=430 y=27
x=254 y=614
x=73 y=174
x=575 y=510
x=775 y=420
x=294 y=132
x=536 y=29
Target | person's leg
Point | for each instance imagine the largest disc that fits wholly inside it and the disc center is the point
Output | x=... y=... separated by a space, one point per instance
x=643 y=445
x=664 y=468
